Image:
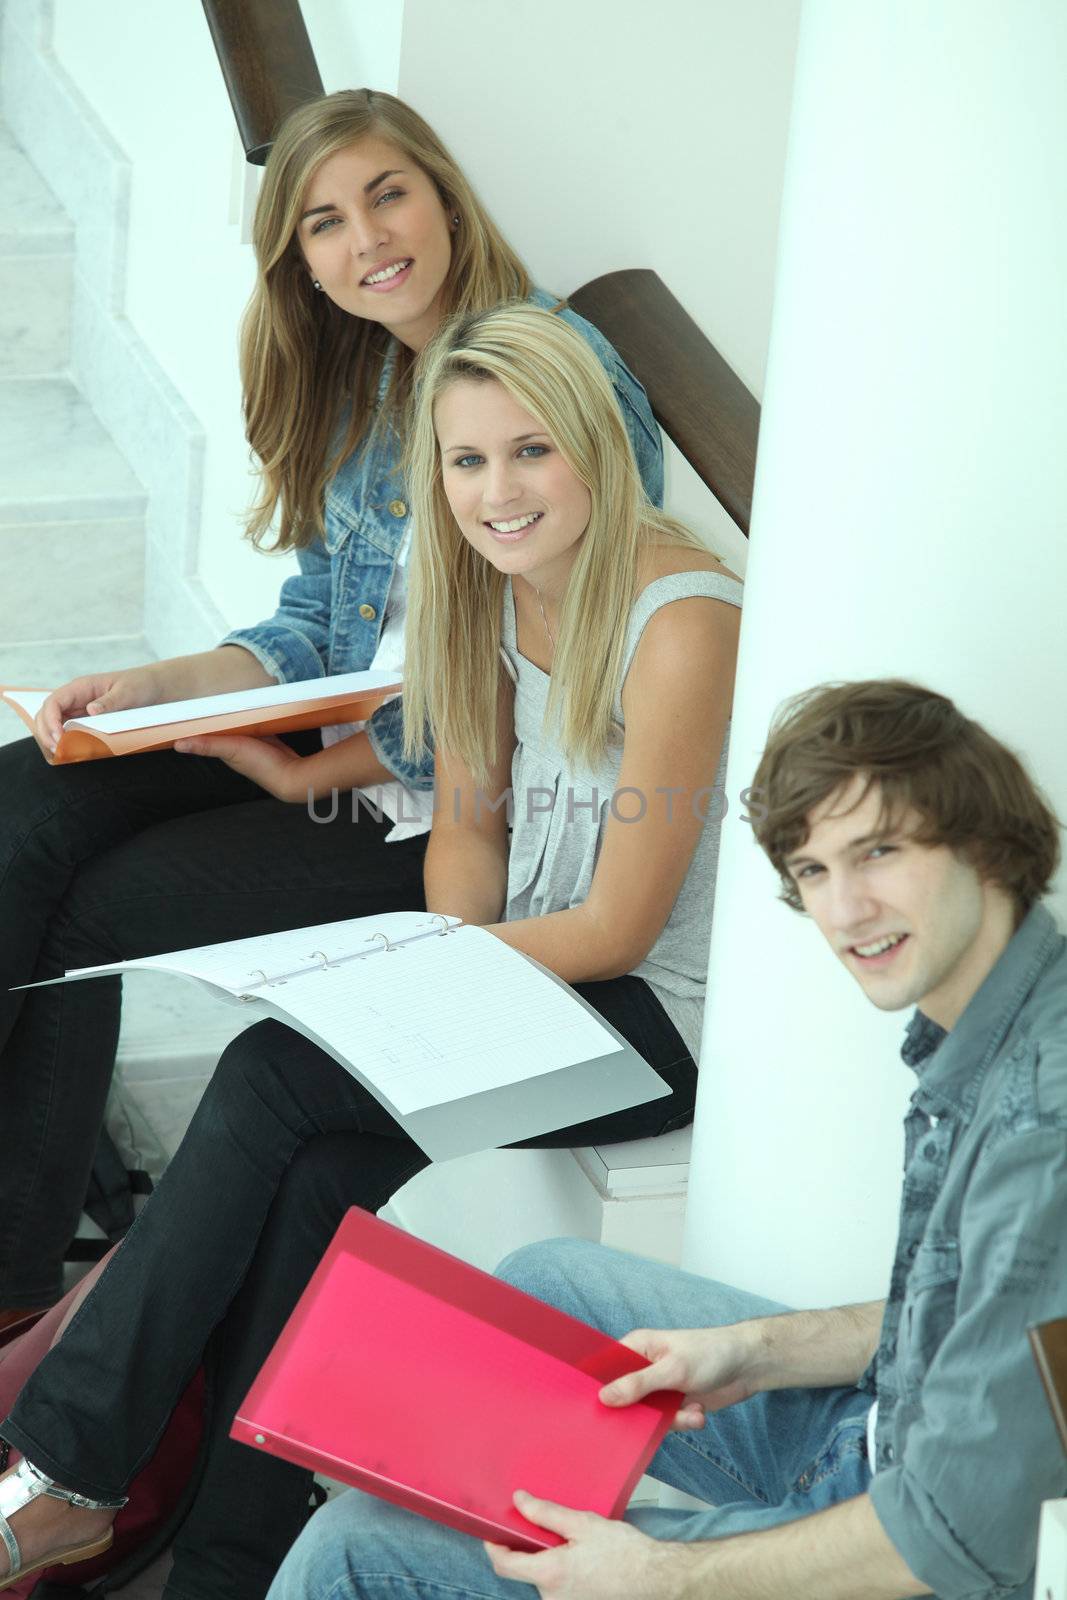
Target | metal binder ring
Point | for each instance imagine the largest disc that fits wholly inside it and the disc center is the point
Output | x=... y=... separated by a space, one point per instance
x=322 y=957
x=446 y=926
x=384 y=940
x=271 y=983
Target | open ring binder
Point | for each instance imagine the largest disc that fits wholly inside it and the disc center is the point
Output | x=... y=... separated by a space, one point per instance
x=467 y=1043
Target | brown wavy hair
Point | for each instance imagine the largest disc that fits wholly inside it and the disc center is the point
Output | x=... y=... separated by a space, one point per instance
x=970 y=792
x=311 y=371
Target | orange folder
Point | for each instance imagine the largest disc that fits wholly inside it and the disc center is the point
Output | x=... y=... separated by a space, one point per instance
x=415 y=1376
x=318 y=708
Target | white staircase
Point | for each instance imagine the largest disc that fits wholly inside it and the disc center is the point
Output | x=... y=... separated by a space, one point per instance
x=72 y=557
x=71 y=511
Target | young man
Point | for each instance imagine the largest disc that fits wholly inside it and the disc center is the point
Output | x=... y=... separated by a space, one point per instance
x=874 y=1451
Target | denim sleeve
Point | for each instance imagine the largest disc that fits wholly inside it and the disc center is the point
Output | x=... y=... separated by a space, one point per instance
x=643 y=429
x=961 y=1506
x=295 y=643
x=385 y=730
x=641 y=425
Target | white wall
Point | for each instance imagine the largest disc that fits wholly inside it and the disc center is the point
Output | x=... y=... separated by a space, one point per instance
x=911 y=501
x=616 y=134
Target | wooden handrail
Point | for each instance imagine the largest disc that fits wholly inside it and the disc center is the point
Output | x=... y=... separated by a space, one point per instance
x=698 y=399
x=1049 y=1344
x=267 y=62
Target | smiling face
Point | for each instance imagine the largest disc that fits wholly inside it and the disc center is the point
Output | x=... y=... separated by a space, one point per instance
x=512 y=493
x=913 y=923
x=374 y=232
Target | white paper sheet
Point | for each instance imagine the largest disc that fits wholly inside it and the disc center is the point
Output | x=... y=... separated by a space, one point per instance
x=446 y=1018
x=214 y=705
x=31 y=700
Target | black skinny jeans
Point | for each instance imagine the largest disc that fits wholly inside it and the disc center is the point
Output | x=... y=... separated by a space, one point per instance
x=114 y=859
x=283 y=1142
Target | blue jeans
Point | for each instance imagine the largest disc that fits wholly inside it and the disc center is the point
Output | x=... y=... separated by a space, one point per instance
x=771 y=1459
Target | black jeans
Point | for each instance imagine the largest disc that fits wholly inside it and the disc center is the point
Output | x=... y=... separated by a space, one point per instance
x=113 y=859
x=283 y=1142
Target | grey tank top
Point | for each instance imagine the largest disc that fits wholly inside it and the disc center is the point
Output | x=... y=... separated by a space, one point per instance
x=561 y=810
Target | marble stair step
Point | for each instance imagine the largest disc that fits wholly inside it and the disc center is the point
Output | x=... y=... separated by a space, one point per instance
x=71 y=519
x=32 y=221
x=36 y=267
x=56 y=462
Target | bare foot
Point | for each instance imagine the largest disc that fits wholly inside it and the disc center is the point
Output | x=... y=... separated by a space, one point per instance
x=48 y=1527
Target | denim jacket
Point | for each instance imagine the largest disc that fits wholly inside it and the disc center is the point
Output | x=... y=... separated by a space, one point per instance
x=965 y=1447
x=330 y=614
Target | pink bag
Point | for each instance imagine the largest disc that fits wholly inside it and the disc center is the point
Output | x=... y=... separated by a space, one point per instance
x=159 y=1494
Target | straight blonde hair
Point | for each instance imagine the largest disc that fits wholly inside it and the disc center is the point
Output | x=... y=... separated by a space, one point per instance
x=452 y=663
x=311 y=372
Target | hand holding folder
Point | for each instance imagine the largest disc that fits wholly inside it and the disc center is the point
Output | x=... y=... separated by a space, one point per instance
x=418 y=1378
x=275 y=708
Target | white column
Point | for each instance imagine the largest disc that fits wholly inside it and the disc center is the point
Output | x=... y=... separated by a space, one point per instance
x=910 y=520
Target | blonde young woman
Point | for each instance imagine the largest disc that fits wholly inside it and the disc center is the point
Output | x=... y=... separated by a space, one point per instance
x=568 y=640
x=366 y=235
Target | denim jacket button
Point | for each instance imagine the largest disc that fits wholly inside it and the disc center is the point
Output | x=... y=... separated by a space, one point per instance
x=398 y=508
x=367 y=612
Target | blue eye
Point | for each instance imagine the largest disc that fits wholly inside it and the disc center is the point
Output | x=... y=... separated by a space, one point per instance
x=324 y=223
x=467 y=461
x=390 y=194
x=536 y=449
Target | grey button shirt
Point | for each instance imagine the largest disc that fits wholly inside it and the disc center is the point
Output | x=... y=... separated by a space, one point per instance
x=966 y=1450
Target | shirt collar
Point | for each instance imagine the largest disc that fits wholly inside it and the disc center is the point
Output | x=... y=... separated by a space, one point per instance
x=950 y=1065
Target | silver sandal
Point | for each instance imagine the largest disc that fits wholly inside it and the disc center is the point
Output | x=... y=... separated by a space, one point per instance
x=28 y=1483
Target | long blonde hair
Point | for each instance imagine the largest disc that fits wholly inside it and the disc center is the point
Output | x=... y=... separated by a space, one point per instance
x=452 y=635
x=311 y=371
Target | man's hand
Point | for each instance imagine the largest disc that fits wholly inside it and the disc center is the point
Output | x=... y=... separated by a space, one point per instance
x=842 y=1553
x=269 y=762
x=709 y=1365
x=602 y=1560
x=90 y=696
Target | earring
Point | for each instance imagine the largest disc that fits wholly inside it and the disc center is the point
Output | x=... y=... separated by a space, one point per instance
x=316 y=282
x=455 y=220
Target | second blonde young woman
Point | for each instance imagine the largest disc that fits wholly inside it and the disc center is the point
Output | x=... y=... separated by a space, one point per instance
x=366 y=235
x=570 y=642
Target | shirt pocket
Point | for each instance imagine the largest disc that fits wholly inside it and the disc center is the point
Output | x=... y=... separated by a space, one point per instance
x=929 y=1307
x=366 y=497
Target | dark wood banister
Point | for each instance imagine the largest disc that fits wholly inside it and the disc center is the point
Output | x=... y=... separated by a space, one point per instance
x=267 y=62
x=1049 y=1344
x=700 y=402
